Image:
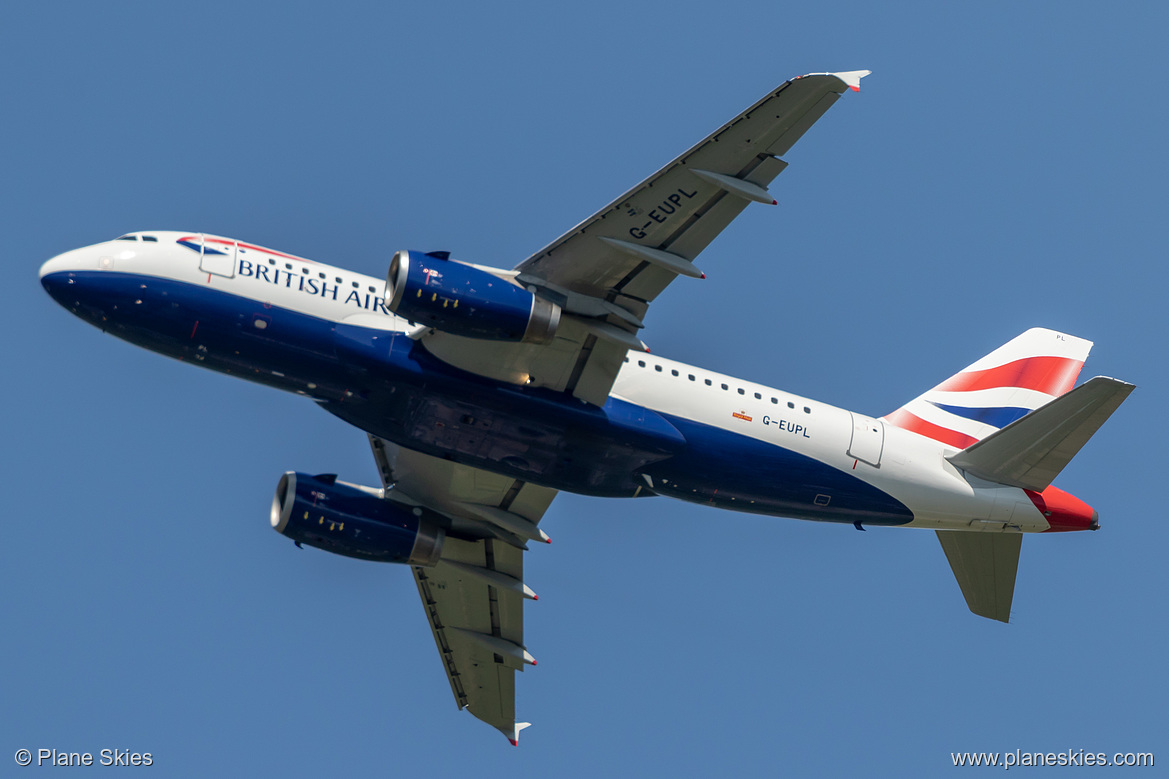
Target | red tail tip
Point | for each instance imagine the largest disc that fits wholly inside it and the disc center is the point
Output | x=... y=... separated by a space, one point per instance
x=515 y=742
x=704 y=275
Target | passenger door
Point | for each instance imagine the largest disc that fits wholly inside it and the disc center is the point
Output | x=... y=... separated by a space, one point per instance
x=868 y=439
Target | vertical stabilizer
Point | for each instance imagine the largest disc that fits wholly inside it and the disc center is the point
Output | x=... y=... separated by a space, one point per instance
x=1013 y=380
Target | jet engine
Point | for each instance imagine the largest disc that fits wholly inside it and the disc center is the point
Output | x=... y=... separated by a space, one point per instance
x=462 y=299
x=354 y=521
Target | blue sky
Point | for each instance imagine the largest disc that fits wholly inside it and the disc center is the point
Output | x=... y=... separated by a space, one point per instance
x=1003 y=168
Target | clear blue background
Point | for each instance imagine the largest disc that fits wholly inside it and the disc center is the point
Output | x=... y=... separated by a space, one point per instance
x=1003 y=168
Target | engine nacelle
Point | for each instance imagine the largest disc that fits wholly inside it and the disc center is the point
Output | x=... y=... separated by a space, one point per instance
x=463 y=300
x=347 y=520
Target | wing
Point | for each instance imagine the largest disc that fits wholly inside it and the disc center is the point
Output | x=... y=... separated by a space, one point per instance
x=606 y=270
x=474 y=596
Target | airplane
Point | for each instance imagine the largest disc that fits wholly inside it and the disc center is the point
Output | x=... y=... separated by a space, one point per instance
x=485 y=391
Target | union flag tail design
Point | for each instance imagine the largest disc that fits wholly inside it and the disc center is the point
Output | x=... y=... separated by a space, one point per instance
x=1010 y=382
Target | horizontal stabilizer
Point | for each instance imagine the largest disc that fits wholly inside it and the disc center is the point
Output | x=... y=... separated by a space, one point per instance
x=985 y=565
x=1030 y=452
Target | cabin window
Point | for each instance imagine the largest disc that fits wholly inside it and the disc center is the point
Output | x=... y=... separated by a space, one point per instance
x=758 y=396
x=658 y=368
x=338 y=280
x=790 y=404
x=708 y=383
x=641 y=363
x=288 y=266
x=775 y=400
x=321 y=275
x=725 y=387
x=355 y=285
x=675 y=373
x=691 y=377
x=304 y=271
x=271 y=261
x=807 y=410
x=742 y=391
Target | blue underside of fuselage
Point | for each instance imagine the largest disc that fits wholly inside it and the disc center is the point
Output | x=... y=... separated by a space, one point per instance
x=389 y=385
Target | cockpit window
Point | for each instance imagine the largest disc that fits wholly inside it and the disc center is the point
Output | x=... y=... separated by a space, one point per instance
x=150 y=238
x=126 y=238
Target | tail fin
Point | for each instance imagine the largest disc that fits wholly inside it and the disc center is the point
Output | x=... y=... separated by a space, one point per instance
x=1010 y=382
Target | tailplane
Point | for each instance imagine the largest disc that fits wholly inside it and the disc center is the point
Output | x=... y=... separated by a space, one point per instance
x=1030 y=452
x=1004 y=386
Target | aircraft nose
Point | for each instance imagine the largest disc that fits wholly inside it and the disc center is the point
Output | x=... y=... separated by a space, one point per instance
x=59 y=273
x=77 y=259
x=55 y=265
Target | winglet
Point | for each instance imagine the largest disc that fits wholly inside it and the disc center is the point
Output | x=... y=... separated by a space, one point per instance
x=852 y=78
x=514 y=736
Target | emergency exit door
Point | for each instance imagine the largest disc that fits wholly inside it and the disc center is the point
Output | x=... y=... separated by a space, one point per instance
x=217 y=258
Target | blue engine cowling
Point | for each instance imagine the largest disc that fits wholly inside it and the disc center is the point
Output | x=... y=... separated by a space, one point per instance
x=346 y=520
x=464 y=300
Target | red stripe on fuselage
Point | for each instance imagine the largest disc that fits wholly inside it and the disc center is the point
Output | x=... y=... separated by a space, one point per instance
x=915 y=424
x=1050 y=375
x=249 y=246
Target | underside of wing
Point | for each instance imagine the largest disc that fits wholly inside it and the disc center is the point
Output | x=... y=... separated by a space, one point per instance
x=474 y=595
x=604 y=273
x=467 y=617
x=629 y=251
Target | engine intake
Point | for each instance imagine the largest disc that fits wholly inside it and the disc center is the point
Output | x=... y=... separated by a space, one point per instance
x=353 y=521
x=463 y=300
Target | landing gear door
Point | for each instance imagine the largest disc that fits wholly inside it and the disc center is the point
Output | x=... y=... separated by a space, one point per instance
x=217 y=258
x=868 y=440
